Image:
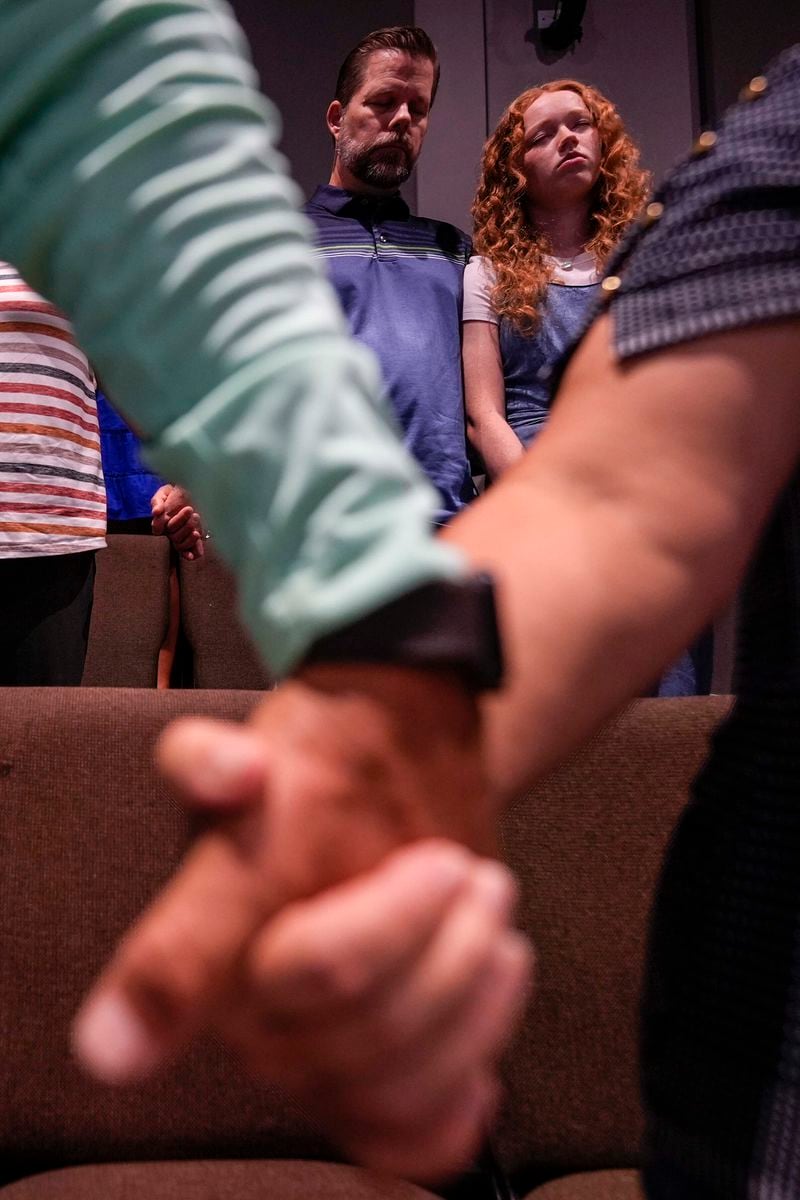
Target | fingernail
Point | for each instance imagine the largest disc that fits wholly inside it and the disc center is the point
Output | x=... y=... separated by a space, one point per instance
x=111 y=1041
x=448 y=863
x=228 y=764
x=495 y=886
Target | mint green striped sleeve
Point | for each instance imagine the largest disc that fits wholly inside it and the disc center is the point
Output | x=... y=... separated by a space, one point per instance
x=140 y=189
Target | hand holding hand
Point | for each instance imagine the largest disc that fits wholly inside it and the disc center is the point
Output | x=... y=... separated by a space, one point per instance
x=338 y=768
x=173 y=514
x=385 y=1002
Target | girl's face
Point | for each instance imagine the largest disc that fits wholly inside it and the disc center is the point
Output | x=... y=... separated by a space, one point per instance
x=562 y=150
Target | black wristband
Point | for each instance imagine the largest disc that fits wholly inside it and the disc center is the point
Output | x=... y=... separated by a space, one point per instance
x=442 y=624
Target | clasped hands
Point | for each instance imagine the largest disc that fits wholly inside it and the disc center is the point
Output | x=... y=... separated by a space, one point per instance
x=174 y=515
x=336 y=922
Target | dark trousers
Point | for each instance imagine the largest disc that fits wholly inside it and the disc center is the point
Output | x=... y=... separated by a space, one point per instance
x=45 y=608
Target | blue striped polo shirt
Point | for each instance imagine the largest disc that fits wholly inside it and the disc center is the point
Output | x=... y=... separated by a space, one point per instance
x=399 y=280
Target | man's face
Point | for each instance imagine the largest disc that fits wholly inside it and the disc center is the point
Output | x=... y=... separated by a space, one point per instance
x=379 y=134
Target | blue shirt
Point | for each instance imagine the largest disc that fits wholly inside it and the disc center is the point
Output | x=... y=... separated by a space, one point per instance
x=399 y=279
x=129 y=482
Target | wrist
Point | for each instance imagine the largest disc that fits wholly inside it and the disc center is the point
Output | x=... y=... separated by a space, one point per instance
x=429 y=725
x=444 y=626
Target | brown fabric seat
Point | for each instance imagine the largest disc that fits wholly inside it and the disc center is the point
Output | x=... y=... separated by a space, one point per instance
x=594 y=1185
x=222 y=655
x=213 y=1181
x=89 y=834
x=130 y=615
x=586 y=846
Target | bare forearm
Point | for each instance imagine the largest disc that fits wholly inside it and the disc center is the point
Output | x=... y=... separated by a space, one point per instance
x=496 y=442
x=623 y=531
x=588 y=621
x=484 y=394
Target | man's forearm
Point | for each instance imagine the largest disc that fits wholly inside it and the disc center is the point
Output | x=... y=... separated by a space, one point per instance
x=141 y=190
x=624 y=529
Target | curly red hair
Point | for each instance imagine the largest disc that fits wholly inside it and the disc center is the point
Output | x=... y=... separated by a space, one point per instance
x=503 y=234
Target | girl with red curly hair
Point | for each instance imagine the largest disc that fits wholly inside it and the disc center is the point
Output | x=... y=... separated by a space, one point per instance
x=560 y=183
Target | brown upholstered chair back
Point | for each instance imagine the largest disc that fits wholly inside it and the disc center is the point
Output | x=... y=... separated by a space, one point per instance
x=130 y=615
x=586 y=846
x=87 y=835
x=222 y=655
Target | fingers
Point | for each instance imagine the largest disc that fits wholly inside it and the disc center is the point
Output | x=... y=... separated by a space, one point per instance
x=426 y=1121
x=197 y=551
x=183 y=529
x=430 y=1071
x=325 y=954
x=158 y=505
x=347 y=995
x=404 y=968
x=213 y=764
x=173 y=966
x=173 y=514
x=158 y=499
x=383 y=1004
x=181 y=521
x=171 y=494
x=443 y=1145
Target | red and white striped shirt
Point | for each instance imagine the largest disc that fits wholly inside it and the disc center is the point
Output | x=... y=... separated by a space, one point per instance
x=52 y=495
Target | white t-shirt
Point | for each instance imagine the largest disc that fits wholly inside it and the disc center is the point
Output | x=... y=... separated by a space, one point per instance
x=479 y=280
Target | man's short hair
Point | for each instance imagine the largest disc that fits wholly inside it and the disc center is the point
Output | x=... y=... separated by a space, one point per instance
x=410 y=38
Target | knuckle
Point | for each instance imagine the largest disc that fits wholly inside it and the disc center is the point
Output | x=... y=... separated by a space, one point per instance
x=165 y=982
x=332 y=980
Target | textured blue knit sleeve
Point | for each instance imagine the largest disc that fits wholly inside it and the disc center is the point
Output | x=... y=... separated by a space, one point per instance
x=725 y=250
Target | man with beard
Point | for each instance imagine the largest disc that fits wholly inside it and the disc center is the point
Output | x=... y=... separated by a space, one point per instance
x=398 y=277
